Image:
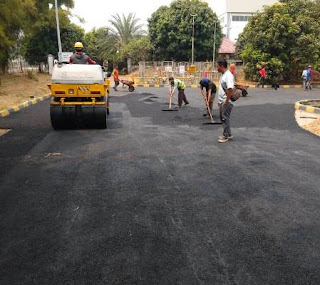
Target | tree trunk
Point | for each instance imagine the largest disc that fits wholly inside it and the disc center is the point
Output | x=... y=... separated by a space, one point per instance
x=4 y=67
x=129 y=68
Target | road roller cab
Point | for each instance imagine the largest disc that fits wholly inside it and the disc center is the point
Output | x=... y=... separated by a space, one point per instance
x=79 y=96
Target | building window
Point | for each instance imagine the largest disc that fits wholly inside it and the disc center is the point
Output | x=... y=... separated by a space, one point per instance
x=241 y=18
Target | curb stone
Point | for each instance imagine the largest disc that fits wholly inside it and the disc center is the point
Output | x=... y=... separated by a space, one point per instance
x=16 y=108
x=310 y=109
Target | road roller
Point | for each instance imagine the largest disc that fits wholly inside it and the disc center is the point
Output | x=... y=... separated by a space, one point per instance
x=79 y=96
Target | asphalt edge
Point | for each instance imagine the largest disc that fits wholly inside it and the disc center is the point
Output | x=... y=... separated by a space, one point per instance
x=16 y=108
x=147 y=85
x=310 y=109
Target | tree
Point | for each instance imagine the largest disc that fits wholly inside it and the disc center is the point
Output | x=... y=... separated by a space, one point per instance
x=283 y=37
x=170 y=30
x=92 y=41
x=121 y=31
x=14 y=17
x=42 y=39
x=138 y=49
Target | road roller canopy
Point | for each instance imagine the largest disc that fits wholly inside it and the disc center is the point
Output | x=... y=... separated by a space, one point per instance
x=77 y=74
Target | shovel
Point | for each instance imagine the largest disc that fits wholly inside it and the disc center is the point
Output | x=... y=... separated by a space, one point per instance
x=170 y=104
x=212 y=122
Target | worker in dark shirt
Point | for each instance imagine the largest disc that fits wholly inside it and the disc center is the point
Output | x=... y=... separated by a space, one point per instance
x=79 y=57
x=210 y=92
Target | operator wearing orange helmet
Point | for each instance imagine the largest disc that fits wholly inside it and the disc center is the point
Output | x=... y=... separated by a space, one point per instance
x=79 y=57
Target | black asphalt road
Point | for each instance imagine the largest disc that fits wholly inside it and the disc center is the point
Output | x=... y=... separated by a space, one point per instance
x=155 y=199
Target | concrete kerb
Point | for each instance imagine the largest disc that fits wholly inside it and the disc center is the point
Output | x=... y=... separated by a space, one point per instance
x=310 y=109
x=8 y=111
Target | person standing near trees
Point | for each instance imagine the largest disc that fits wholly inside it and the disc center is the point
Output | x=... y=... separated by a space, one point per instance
x=262 y=74
x=116 y=77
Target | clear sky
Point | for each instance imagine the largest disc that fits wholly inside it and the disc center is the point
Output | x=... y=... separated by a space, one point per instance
x=96 y=13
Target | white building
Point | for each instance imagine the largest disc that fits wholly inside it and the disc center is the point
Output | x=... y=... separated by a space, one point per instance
x=234 y=14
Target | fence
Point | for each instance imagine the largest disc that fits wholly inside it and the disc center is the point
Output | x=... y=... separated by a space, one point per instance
x=19 y=65
x=159 y=72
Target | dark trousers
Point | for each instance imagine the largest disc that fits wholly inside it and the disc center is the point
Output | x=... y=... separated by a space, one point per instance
x=182 y=97
x=116 y=83
x=225 y=113
x=262 y=82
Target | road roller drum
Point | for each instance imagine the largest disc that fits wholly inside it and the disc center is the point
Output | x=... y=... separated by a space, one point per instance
x=80 y=97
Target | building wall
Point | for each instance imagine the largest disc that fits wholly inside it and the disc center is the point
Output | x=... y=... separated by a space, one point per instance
x=233 y=14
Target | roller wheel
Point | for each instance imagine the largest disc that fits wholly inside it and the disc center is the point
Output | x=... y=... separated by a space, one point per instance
x=62 y=118
x=92 y=117
x=131 y=88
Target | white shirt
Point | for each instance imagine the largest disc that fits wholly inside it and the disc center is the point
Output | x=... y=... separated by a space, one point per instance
x=226 y=82
x=304 y=74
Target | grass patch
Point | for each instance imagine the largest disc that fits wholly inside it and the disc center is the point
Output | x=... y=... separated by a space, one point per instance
x=18 y=88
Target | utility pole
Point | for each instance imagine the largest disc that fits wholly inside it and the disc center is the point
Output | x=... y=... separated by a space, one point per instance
x=214 y=45
x=58 y=32
x=193 y=15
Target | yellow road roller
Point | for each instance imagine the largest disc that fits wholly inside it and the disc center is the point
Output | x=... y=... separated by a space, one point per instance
x=79 y=96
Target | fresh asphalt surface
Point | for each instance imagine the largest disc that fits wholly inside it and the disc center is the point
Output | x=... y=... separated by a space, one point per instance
x=155 y=199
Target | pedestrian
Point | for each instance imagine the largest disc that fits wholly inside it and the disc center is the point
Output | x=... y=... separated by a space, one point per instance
x=210 y=89
x=309 y=77
x=178 y=84
x=226 y=86
x=116 y=77
x=79 y=57
x=232 y=69
x=304 y=77
x=262 y=75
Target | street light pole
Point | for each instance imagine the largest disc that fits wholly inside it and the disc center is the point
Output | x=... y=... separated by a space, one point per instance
x=214 y=44
x=194 y=15
x=58 y=32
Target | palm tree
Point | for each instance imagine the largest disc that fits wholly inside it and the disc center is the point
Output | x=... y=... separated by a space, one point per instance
x=122 y=29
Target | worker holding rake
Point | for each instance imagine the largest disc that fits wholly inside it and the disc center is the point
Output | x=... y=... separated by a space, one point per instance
x=208 y=94
x=178 y=84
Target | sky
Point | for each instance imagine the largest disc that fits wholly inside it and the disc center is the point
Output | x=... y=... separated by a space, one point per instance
x=96 y=13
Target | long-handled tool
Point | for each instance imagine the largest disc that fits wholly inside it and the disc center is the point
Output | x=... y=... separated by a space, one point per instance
x=212 y=122
x=170 y=104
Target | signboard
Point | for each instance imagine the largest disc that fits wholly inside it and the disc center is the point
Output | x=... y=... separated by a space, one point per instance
x=65 y=56
x=192 y=69
x=182 y=69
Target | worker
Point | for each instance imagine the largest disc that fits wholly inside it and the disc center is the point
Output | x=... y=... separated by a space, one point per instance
x=178 y=84
x=232 y=69
x=79 y=57
x=210 y=89
x=115 y=74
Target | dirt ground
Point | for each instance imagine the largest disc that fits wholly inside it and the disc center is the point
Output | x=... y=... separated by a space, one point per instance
x=18 y=88
x=313 y=127
x=308 y=121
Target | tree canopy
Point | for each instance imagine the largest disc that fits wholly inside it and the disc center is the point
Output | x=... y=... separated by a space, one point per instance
x=27 y=25
x=170 y=30
x=284 y=37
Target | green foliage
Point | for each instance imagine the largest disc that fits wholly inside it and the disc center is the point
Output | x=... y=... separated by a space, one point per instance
x=92 y=42
x=138 y=49
x=170 y=30
x=24 y=25
x=112 y=44
x=284 y=37
x=44 y=41
x=14 y=18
